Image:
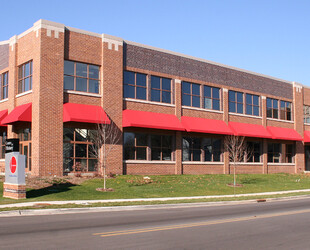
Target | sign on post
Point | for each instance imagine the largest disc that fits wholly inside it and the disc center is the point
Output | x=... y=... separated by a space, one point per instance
x=14 y=186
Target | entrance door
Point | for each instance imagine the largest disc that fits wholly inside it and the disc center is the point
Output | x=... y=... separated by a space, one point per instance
x=307 y=157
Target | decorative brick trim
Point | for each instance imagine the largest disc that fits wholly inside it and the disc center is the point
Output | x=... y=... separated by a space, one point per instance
x=112 y=40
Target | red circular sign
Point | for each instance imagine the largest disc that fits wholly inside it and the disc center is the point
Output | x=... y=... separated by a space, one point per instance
x=13 y=165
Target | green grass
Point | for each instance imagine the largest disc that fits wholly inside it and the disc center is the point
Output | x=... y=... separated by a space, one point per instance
x=166 y=186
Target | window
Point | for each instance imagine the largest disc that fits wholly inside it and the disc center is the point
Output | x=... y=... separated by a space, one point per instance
x=161 y=147
x=285 y=110
x=78 y=149
x=252 y=104
x=24 y=136
x=289 y=152
x=25 y=77
x=4 y=82
x=274 y=152
x=253 y=151
x=306 y=114
x=134 y=85
x=190 y=94
x=272 y=108
x=235 y=102
x=135 y=146
x=153 y=147
x=81 y=77
x=2 y=146
x=211 y=98
x=160 y=89
x=201 y=149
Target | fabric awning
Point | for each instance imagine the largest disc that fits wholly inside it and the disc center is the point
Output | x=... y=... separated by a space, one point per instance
x=306 y=136
x=22 y=113
x=249 y=130
x=201 y=125
x=74 y=112
x=284 y=133
x=3 y=114
x=143 y=119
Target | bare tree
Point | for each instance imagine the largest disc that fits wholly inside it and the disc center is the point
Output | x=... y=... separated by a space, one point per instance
x=104 y=140
x=237 y=150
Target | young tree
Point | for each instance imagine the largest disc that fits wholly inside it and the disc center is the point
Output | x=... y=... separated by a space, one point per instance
x=104 y=140
x=237 y=150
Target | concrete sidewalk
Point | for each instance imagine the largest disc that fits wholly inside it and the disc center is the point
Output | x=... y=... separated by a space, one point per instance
x=88 y=202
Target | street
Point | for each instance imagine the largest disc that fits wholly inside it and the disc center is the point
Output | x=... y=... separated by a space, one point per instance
x=280 y=224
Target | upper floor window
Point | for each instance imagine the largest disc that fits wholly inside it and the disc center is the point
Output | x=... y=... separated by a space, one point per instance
x=134 y=85
x=190 y=94
x=211 y=98
x=306 y=114
x=252 y=104
x=160 y=89
x=272 y=108
x=25 y=77
x=4 y=83
x=81 y=77
x=235 y=102
x=286 y=110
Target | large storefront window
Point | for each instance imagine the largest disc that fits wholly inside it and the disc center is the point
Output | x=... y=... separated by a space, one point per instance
x=78 y=150
x=202 y=149
x=24 y=136
x=138 y=146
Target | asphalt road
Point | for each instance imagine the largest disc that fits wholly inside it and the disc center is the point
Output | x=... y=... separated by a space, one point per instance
x=268 y=225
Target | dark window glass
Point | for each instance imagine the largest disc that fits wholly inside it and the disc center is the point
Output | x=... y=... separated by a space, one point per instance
x=211 y=98
x=274 y=152
x=4 y=82
x=81 y=69
x=155 y=95
x=69 y=68
x=81 y=84
x=252 y=105
x=93 y=72
x=93 y=86
x=190 y=94
x=160 y=89
x=134 y=85
x=235 y=102
x=141 y=79
x=129 y=77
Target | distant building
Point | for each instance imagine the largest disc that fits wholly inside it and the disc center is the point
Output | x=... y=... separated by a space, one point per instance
x=174 y=110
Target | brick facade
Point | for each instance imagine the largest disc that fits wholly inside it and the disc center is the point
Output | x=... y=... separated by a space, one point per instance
x=48 y=45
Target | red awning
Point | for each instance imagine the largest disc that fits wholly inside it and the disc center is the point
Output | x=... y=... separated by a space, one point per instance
x=201 y=125
x=143 y=119
x=249 y=130
x=73 y=112
x=3 y=114
x=22 y=113
x=284 y=133
x=306 y=136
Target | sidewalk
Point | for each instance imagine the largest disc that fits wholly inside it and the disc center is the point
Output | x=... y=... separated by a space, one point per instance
x=88 y=202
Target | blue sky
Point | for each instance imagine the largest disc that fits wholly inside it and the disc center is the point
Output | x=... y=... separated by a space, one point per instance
x=266 y=36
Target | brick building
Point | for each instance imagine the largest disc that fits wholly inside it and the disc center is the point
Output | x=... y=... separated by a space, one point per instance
x=173 y=110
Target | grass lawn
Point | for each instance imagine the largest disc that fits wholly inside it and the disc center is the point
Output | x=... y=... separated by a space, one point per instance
x=128 y=186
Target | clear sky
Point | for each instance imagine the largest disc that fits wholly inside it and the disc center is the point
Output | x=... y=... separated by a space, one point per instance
x=271 y=37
